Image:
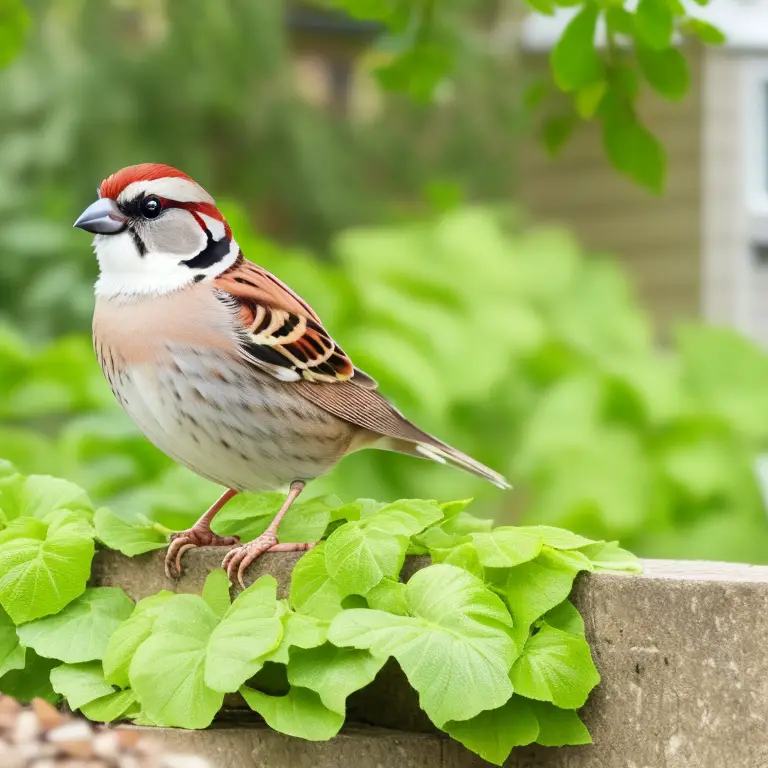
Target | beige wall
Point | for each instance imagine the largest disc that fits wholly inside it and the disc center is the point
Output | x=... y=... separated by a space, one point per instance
x=658 y=239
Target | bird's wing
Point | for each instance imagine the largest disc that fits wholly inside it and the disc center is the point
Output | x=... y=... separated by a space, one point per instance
x=280 y=332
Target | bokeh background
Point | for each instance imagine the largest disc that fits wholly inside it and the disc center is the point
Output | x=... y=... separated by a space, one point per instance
x=600 y=345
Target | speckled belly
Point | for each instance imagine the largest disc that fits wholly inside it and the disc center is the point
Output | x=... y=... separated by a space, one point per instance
x=229 y=423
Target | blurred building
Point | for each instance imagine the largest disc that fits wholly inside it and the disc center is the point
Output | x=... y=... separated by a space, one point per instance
x=702 y=247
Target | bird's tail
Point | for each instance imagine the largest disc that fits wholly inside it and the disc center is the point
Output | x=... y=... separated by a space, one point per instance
x=436 y=450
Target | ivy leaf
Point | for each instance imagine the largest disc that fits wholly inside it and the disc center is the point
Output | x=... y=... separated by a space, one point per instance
x=555 y=666
x=300 y=713
x=109 y=708
x=666 y=71
x=558 y=727
x=609 y=556
x=358 y=557
x=654 y=22
x=216 y=592
x=130 y=538
x=41 y=572
x=81 y=631
x=313 y=591
x=566 y=618
x=299 y=631
x=455 y=648
x=533 y=588
x=32 y=682
x=388 y=595
x=506 y=547
x=250 y=630
x=494 y=733
x=12 y=653
x=333 y=673
x=80 y=683
x=126 y=639
x=575 y=63
x=167 y=672
x=464 y=556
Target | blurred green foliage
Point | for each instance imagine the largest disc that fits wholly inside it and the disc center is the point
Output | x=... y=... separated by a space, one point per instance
x=504 y=340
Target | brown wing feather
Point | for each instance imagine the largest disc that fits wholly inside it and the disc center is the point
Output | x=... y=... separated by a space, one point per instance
x=280 y=332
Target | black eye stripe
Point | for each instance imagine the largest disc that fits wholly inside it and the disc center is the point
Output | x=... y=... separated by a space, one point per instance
x=136 y=208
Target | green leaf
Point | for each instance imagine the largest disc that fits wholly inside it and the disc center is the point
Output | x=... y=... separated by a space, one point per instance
x=216 y=592
x=609 y=556
x=80 y=683
x=32 y=682
x=300 y=713
x=533 y=588
x=654 y=22
x=109 y=708
x=125 y=640
x=665 y=70
x=298 y=631
x=556 y=130
x=43 y=497
x=703 y=30
x=555 y=666
x=547 y=7
x=39 y=575
x=494 y=733
x=464 y=556
x=633 y=150
x=558 y=727
x=14 y=24
x=168 y=669
x=313 y=591
x=333 y=673
x=12 y=653
x=129 y=538
x=455 y=648
x=388 y=595
x=589 y=97
x=620 y=21
x=81 y=631
x=566 y=618
x=557 y=538
x=358 y=557
x=250 y=630
x=575 y=63
x=506 y=547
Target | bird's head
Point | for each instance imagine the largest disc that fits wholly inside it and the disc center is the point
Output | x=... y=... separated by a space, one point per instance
x=156 y=231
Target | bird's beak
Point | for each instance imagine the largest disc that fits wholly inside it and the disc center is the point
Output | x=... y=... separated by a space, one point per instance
x=102 y=218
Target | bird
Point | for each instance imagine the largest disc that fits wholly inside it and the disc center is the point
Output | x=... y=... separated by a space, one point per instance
x=221 y=365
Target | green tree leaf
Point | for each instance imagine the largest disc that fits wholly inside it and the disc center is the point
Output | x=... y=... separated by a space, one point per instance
x=12 y=653
x=556 y=130
x=299 y=631
x=666 y=70
x=388 y=595
x=216 y=592
x=41 y=572
x=555 y=666
x=558 y=727
x=167 y=672
x=455 y=649
x=313 y=591
x=609 y=556
x=506 y=547
x=32 y=682
x=43 y=497
x=300 y=713
x=14 y=24
x=557 y=538
x=494 y=733
x=575 y=63
x=566 y=618
x=81 y=631
x=333 y=673
x=654 y=22
x=126 y=639
x=250 y=630
x=130 y=538
x=703 y=30
x=80 y=683
x=589 y=97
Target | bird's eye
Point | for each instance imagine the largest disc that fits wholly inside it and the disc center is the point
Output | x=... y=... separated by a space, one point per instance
x=150 y=207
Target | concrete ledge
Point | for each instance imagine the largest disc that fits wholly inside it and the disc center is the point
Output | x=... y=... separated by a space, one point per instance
x=682 y=650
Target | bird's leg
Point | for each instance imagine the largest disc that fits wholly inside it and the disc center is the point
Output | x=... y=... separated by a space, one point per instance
x=199 y=535
x=239 y=558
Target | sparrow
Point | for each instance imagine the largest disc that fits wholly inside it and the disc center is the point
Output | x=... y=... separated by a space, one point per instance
x=220 y=364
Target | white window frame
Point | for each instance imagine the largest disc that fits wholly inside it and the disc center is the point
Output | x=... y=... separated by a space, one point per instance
x=755 y=111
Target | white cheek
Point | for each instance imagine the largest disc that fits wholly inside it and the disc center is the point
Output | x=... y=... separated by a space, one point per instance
x=215 y=227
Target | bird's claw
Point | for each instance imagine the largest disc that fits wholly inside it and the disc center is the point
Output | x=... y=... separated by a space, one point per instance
x=194 y=537
x=238 y=559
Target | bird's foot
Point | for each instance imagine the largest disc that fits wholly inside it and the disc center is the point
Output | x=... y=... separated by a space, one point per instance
x=196 y=536
x=238 y=559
